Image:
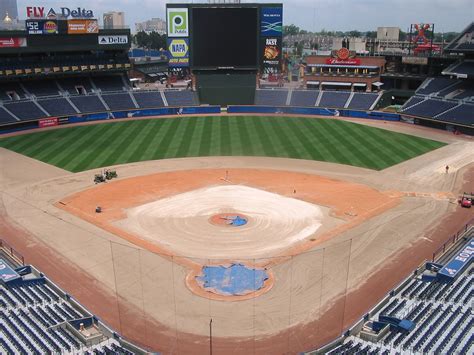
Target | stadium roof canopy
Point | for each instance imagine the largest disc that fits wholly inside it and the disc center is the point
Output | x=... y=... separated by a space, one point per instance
x=464 y=43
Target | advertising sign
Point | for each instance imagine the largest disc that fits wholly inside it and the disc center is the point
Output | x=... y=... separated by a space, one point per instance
x=271 y=47
x=12 y=42
x=82 y=27
x=6 y=272
x=111 y=40
x=41 y=27
x=177 y=22
x=459 y=261
x=178 y=52
x=343 y=56
x=271 y=21
x=415 y=60
x=48 y=122
x=39 y=12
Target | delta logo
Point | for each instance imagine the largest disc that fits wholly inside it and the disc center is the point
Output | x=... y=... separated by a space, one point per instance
x=65 y=12
x=50 y=27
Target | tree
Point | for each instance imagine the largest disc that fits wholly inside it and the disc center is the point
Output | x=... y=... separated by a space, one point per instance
x=290 y=30
x=353 y=33
x=156 y=41
x=142 y=39
x=371 y=34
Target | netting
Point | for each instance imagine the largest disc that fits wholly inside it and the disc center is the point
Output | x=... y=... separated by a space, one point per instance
x=163 y=305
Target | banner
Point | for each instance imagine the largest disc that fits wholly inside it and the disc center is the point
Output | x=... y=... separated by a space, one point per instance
x=12 y=42
x=41 y=27
x=271 y=55
x=178 y=52
x=271 y=21
x=111 y=40
x=82 y=26
x=177 y=22
x=48 y=122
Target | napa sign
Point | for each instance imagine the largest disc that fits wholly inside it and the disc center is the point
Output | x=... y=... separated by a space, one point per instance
x=178 y=50
x=39 y=12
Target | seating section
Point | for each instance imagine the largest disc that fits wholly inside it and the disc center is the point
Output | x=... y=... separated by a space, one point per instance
x=434 y=85
x=57 y=107
x=463 y=114
x=362 y=101
x=6 y=87
x=72 y=84
x=5 y=117
x=304 y=98
x=442 y=313
x=35 y=319
x=25 y=110
x=335 y=99
x=109 y=82
x=148 y=99
x=88 y=104
x=176 y=98
x=430 y=108
x=42 y=87
x=271 y=97
x=120 y=101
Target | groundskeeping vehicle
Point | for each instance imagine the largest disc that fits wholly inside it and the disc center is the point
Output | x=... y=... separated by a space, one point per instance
x=466 y=200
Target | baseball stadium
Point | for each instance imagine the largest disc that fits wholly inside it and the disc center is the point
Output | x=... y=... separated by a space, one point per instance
x=237 y=211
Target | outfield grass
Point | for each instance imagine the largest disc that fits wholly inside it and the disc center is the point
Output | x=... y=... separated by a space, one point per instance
x=85 y=147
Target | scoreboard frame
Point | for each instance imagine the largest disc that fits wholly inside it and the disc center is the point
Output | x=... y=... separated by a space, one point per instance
x=261 y=64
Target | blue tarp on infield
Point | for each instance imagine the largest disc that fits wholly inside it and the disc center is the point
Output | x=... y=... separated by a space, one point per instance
x=233 y=280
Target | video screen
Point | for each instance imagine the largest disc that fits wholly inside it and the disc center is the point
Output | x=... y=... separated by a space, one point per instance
x=224 y=37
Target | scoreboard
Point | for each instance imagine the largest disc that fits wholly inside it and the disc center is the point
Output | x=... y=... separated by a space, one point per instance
x=225 y=36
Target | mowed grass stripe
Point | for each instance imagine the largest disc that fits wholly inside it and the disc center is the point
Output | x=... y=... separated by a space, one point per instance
x=283 y=135
x=245 y=138
x=187 y=135
x=50 y=153
x=316 y=143
x=337 y=149
x=301 y=142
x=177 y=139
x=225 y=139
x=93 y=158
x=119 y=147
x=151 y=129
x=85 y=147
x=159 y=132
x=266 y=147
x=194 y=140
x=205 y=139
x=374 y=155
x=76 y=150
x=166 y=139
x=352 y=150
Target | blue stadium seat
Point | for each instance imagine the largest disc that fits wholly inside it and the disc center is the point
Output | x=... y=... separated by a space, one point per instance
x=271 y=97
x=334 y=99
x=178 y=98
x=148 y=99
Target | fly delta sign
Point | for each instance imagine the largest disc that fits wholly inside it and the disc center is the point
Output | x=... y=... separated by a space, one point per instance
x=36 y=12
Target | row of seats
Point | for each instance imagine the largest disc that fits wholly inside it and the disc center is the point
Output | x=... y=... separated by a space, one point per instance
x=442 y=110
x=310 y=98
x=441 y=313
x=70 y=85
x=92 y=103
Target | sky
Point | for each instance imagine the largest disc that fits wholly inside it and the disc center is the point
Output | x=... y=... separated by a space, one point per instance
x=311 y=15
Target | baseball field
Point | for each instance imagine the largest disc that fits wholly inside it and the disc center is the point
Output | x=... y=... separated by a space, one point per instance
x=86 y=147
x=337 y=212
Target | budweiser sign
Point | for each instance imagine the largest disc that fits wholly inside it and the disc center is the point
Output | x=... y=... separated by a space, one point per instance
x=343 y=56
